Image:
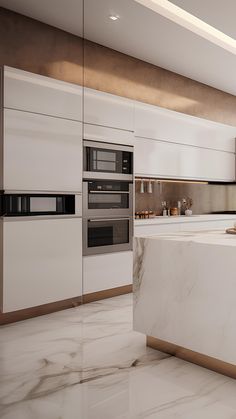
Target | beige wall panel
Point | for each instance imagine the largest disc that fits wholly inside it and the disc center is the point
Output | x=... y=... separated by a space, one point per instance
x=110 y=71
x=34 y=46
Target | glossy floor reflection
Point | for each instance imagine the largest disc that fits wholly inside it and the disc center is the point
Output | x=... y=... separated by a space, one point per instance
x=87 y=363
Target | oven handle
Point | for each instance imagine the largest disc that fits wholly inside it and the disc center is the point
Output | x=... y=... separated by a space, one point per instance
x=110 y=192
x=109 y=219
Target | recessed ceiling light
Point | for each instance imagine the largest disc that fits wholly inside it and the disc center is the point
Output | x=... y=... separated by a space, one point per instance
x=114 y=17
x=191 y=22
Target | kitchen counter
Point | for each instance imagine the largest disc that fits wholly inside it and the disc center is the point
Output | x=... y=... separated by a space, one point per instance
x=184 y=219
x=160 y=225
x=184 y=296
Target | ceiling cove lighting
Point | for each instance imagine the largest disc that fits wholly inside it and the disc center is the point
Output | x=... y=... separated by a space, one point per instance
x=191 y=22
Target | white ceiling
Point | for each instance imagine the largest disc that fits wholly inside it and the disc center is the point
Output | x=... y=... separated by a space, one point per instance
x=144 y=34
x=218 y=13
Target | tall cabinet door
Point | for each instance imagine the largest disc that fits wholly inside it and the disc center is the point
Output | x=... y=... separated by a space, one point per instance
x=41 y=153
x=42 y=261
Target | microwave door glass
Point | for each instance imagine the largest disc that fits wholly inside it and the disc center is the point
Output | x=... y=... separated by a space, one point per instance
x=106 y=161
x=108 y=200
x=110 y=158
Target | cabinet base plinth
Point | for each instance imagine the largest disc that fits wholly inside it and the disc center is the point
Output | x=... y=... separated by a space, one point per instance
x=27 y=313
x=112 y=292
x=205 y=361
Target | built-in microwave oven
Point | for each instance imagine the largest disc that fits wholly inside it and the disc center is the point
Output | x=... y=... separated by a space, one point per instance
x=106 y=160
x=107 y=198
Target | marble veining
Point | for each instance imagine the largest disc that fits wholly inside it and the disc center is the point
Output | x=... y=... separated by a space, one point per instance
x=186 y=292
x=87 y=363
x=139 y=258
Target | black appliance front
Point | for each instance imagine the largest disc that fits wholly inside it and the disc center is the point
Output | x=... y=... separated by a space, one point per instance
x=16 y=205
x=107 y=235
x=104 y=197
x=108 y=158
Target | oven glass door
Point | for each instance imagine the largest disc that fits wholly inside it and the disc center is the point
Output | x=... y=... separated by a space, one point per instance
x=105 y=235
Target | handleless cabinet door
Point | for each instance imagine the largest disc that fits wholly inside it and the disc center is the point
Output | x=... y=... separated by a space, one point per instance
x=118 y=271
x=171 y=126
x=42 y=261
x=108 y=110
x=41 y=153
x=39 y=94
x=166 y=160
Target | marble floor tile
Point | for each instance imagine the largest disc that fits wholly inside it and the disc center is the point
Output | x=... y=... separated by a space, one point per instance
x=88 y=363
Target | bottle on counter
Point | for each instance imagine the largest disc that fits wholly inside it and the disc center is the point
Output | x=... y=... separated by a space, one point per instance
x=168 y=209
x=164 y=208
x=179 y=205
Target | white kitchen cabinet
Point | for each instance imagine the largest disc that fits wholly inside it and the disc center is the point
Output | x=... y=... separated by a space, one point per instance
x=41 y=153
x=108 y=110
x=108 y=135
x=39 y=94
x=42 y=261
x=168 y=160
x=167 y=125
x=110 y=270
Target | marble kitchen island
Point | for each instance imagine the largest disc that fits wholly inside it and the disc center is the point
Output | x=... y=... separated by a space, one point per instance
x=185 y=296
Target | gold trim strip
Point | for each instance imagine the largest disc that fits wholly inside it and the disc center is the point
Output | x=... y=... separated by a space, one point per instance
x=28 y=313
x=205 y=361
x=111 y=292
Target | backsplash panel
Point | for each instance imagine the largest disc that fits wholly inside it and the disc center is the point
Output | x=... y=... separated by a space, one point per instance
x=206 y=198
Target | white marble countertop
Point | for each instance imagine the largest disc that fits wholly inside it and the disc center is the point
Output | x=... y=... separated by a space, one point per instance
x=184 y=291
x=214 y=237
x=184 y=219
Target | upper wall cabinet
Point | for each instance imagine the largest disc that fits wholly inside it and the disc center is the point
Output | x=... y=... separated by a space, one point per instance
x=165 y=125
x=41 y=153
x=108 y=110
x=108 y=135
x=177 y=161
x=39 y=94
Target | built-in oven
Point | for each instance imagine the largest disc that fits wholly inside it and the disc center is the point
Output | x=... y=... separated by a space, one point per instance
x=106 y=160
x=106 y=235
x=29 y=205
x=107 y=198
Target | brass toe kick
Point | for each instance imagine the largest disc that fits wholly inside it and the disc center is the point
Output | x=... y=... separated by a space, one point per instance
x=205 y=361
